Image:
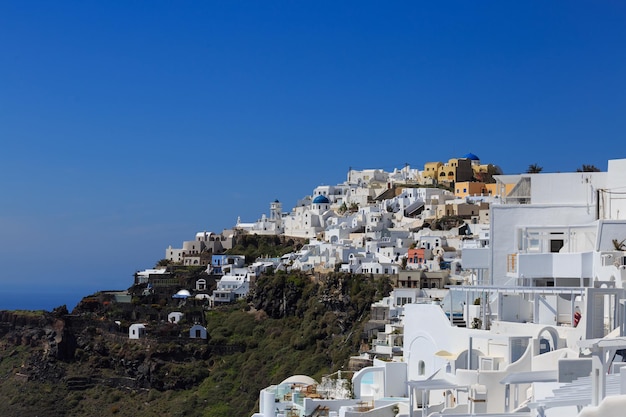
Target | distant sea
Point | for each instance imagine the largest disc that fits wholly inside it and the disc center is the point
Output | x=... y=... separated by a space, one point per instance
x=38 y=298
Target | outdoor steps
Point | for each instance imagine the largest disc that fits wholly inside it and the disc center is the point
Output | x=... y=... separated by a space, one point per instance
x=79 y=383
x=458 y=322
x=320 y=411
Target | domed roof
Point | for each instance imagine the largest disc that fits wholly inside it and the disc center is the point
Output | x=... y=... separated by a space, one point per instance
x=299 y=379
x=320 y=199
x=472 y=157
x=182 y=294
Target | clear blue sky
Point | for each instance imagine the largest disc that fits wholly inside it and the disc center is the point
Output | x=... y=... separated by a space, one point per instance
x=127 y=126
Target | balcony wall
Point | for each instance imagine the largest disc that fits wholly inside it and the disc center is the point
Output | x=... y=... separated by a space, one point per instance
x=560 y=265
x=475 y=258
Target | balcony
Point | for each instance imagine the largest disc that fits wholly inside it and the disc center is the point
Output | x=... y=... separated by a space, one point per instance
x=546 y=265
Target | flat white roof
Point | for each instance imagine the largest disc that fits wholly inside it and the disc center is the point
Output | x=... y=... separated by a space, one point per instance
x=517 y=289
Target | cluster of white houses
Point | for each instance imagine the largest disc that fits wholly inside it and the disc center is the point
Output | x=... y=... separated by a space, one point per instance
x=517 y=310
x=536 y=328
x=370 y=224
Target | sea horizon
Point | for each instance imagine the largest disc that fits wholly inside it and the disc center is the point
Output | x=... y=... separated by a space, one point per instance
x=43 y=298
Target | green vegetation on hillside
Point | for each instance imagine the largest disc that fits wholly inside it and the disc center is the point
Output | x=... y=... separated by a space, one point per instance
x=297 y=325
x=257 y=246
x=292 y=323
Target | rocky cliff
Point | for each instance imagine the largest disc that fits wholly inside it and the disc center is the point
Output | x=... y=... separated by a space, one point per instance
x=83 y=363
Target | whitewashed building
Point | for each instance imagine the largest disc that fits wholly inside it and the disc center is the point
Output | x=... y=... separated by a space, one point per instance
x=137 y=331
x=543 y=330
x=197 y=331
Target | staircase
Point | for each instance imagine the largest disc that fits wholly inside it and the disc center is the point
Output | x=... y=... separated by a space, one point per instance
x=320 y=411
x=458 y=322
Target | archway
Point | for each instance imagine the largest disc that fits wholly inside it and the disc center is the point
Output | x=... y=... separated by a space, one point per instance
x=548 y=340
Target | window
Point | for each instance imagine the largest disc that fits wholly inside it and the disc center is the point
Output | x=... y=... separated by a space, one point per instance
x=556 y=245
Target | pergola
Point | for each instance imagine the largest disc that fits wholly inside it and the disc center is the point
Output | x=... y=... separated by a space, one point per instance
x=426 y=386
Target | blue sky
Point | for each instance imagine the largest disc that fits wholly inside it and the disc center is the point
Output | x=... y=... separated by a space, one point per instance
x=129 y=126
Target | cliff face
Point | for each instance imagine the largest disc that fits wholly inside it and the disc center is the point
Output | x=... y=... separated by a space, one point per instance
x=42 y=331
x=56 y=363
x=11 y=319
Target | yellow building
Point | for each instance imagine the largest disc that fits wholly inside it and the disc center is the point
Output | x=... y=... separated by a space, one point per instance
x=457 y=169
x=469 y=189
x=485 y=172
x=464 y=169
x=463 y=210
x=500 y=189
x=431 y=169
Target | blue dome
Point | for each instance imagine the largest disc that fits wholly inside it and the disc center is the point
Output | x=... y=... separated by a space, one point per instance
x=472 y=157
x=320 y=199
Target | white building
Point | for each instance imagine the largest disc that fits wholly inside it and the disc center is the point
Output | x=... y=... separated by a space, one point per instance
x=550 y=256
x=544 y=326
x=137 y=331
x=143 y=277
x=231 y=287
x=197 y=331
x=307 y=221
x=272 y=225
x=175 y=317
x=336 y=194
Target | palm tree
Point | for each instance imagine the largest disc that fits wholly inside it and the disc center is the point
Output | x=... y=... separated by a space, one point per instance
x=534 y=169
x=619 y=245
x=588 y=168
x=163 y=262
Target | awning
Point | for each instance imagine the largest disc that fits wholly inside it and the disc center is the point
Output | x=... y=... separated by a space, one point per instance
x=447 y=355
x=432 y=384
x=530 y=377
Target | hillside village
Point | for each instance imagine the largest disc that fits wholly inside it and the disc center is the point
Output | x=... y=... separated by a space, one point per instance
x=408 y=224
x=534 y=263
x=452 y=290
x=508 y=289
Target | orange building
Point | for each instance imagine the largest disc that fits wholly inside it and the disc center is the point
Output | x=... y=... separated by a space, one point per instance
x=416 y=257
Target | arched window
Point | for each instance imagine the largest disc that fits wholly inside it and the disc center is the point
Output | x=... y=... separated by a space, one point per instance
x=421 y=368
